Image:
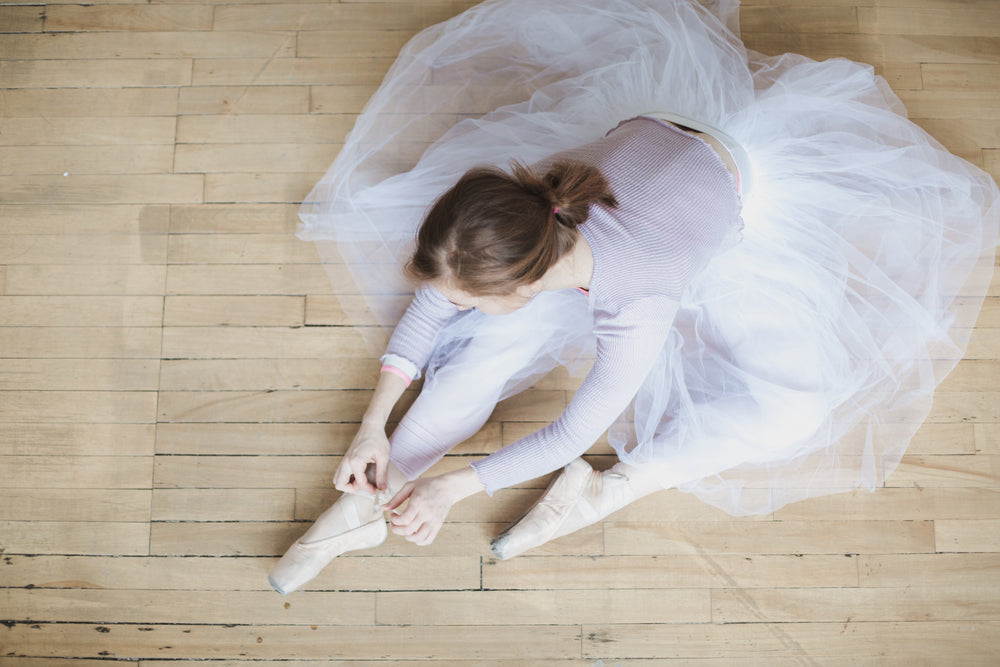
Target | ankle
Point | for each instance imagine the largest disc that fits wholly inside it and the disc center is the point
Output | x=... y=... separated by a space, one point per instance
x=639 y=480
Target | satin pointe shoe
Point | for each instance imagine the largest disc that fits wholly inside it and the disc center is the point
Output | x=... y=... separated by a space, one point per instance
x=578 y=497
x=353 y=522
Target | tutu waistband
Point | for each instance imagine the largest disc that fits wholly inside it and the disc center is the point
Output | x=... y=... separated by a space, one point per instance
x=744 y=173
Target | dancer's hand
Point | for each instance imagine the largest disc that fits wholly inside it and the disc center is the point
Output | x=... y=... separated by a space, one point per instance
x=370 y=446
x=430 y=500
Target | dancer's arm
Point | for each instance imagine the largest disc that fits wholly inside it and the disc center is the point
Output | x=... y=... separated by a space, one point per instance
x=407 y=354
x=626 y=352
x=370 y=445
x=627 y=347
x=413 y=340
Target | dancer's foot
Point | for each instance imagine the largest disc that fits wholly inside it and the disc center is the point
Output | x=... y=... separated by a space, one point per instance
x=353 y=522
x=578 y=497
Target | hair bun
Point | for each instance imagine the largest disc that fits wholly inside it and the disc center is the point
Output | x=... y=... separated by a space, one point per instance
x=494 y=231
x=572 y=187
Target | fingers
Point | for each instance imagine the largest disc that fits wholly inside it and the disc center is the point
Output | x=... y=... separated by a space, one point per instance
x=400 y=497
x=342 y=477
x=407 y=522
x=351 y=478
x=425 y=535
x=419 y=532
x=382 y=472
x=410 y=524
x=366 y=450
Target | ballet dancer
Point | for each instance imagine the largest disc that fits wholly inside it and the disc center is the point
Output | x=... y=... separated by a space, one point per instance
x=766 y=280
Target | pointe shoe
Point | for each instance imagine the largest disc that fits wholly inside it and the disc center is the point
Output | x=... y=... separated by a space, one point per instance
x=578 y=497
x=353 y=522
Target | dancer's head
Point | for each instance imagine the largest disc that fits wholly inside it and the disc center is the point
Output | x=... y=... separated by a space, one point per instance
x=492 y=237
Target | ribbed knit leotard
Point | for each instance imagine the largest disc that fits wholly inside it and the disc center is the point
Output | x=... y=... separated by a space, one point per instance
x=678 y=207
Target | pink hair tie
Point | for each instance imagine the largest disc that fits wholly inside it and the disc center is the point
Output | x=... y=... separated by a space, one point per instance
x=555 y=210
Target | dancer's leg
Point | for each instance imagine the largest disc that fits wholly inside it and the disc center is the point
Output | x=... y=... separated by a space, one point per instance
x=450 y=409
x=581 y=496
x=453 y=405
x=461 y=395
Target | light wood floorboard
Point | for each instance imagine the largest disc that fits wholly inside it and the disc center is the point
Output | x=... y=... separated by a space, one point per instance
x=178 y=383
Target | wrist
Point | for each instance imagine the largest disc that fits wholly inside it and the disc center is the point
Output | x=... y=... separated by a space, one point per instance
x=373 y=423
x=465 y=482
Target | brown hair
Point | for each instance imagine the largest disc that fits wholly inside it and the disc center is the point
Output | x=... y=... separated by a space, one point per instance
x=495 y=231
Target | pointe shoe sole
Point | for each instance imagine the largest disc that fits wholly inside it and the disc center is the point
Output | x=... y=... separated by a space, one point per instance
x=304 y=561
x=574 y=475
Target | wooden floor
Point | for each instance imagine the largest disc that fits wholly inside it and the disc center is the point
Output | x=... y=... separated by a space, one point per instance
x=175 y=388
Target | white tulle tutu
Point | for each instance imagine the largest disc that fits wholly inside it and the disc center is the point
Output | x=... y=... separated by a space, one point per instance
x=804 y=359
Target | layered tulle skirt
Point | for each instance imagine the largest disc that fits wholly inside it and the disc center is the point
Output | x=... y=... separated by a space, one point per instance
x=804 y=359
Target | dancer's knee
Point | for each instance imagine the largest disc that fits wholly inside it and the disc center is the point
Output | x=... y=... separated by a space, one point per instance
x=413 y=449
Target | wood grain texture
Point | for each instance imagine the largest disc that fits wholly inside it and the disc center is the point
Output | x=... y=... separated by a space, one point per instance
x=96 y=73
x=94 y=104
x=21 y=19
x=83 y=219
x=76 y=537
x=86 y=159
x=98 y=18
x=179 y=379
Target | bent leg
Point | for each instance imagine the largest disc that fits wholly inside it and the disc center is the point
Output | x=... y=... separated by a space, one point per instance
x=460 y=395
x=581 y=496
x=448 y=411
x=457 y=399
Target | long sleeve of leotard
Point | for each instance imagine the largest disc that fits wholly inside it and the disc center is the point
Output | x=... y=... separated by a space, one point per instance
x=413 y=339
x=627 y=346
